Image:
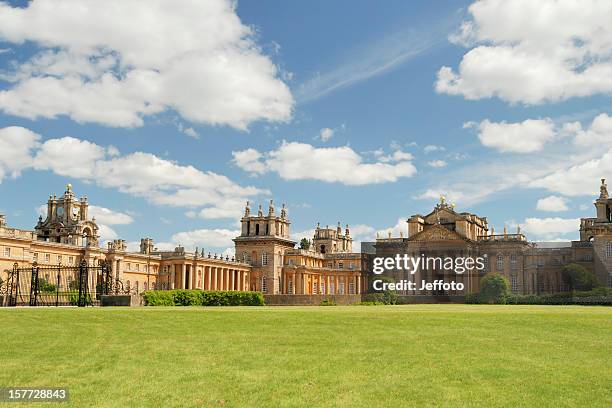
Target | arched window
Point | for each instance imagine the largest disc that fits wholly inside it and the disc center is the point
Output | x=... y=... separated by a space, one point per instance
x=609 y=250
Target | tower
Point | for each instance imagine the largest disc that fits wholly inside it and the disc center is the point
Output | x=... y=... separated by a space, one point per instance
x=67 y=221
x=262 y=243
x=330 y=241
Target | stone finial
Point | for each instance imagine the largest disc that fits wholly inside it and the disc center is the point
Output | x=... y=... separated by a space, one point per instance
x=260 y=211
x=283 y=212
x=401 y=234
x=389 y=234
x=442 y=200
x=271 y=208
x=68 y=188
x=339 y=228
x=603 y=190
x=247 y=209
x=347 y=232
x=377 y=235
x=518 y=229
x=318 y=225
x=505 y=230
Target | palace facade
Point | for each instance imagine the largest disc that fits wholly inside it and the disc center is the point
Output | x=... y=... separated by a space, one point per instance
x=268 y=260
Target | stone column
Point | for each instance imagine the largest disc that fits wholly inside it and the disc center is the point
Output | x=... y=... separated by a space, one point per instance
x=232 y=279
x=214 y=281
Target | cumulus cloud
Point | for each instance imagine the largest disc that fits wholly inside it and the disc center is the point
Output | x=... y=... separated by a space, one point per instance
x=116 y=62
x=598 y=134
x=563 y=49
x=433 y=148
x=437 y=163
x=552 y=203
x=108 y=216
x=325 y=134
x=549 y=229
x=302 y=161
x=140 y=174
x=205 y=238
x=17 y=145
x=523 y=137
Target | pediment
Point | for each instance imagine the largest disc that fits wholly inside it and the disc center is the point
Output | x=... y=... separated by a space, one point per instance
x=442 y=213
x=437 y=232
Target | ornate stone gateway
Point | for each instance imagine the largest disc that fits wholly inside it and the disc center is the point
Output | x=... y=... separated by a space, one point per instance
x=81 y=285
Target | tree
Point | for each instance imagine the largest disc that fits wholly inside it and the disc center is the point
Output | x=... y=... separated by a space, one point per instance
x=493 y=288
x=304 y=243
x=577 y=277
x=44 y=286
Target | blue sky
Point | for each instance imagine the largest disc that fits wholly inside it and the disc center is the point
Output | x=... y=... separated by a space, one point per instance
x=345 y=111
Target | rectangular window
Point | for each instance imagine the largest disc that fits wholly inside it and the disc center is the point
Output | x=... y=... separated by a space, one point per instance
x=138 y=267
x=59 y=259
x=264 y=284
x=35 y=257
x=330 y=265
x=322 y=288
x=351 y=288
x=610 y=280
x=500 y=262
x=71 y=260
x=264 y=259
x=314 y=288
x=541 y=262
x=332 y=288
x=486 y=262
x=7 y=252
x=340 y=265
x=290 y=287
x=512 y=261
x=351 y=266
x=341 y=285
x=47 y=258
x=609 y=250
x=514 y=283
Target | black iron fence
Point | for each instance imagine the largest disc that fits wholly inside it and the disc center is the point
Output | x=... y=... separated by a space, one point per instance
x=60 y=285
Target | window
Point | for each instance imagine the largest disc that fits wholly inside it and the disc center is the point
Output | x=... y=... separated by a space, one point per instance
x=7 y=252
x=322 y=288
x=136 y=284
x=609 y=250
x=512 y=261
x=264 y=284
x=340 y=265
x=486 y=262
x=514 y=283
x=59 y=259
x=541 y=262
x=71 y=260
x=587 y=257
x=146 y=286
x=245 y=257
x=129 y=265
x=138 y=267
x=264 y=258
x=500 y=262
x=47 y=258
x=351 y=288
x=35 y=257
x=610 y=280
x=351 y=266
x=291 y=262
x=332 y=288
x=290 y=287
x=341 y=285
x=314 y=288
x=330 y=265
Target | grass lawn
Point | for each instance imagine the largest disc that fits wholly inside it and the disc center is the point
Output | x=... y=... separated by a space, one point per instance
x=353 y=356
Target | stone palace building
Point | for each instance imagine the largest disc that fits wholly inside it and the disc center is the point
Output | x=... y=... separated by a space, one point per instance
x=268 y=260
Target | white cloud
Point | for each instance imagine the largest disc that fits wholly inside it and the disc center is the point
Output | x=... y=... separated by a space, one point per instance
x=433 y=148
x=117 y=62
x=301 y=161
x=17 y=145
x=524 y=137
x=106 y=233
x=249 y=160
x=325 y=134
x=399 y=229
x=563 y=49
x=578 y=179
x=598 y=134
x=110 y=217
x=140 y=174
x=437 y=163
x=552 y=203
x=206 y=238
x=550 y=228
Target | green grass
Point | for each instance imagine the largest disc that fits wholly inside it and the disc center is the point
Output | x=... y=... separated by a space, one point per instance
x=377 y=356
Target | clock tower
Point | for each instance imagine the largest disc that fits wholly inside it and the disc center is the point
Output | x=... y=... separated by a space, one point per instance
x=67 y=221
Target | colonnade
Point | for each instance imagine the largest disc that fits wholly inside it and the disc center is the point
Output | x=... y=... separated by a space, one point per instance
x=335 y=284
x=208 y=277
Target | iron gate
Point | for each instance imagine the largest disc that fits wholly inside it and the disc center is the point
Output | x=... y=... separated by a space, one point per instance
x=59 y=285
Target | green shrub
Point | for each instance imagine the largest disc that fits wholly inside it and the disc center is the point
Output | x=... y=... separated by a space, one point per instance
x=472 y=298
x=579 y=278
x=44 y=286
x=73 y=298
x=196 y=297
x=386 y=298
x=327 y=302
x=493 y=288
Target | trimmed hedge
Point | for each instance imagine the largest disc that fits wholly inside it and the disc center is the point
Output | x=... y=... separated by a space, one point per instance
x=599 y=296
x=195 y=297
